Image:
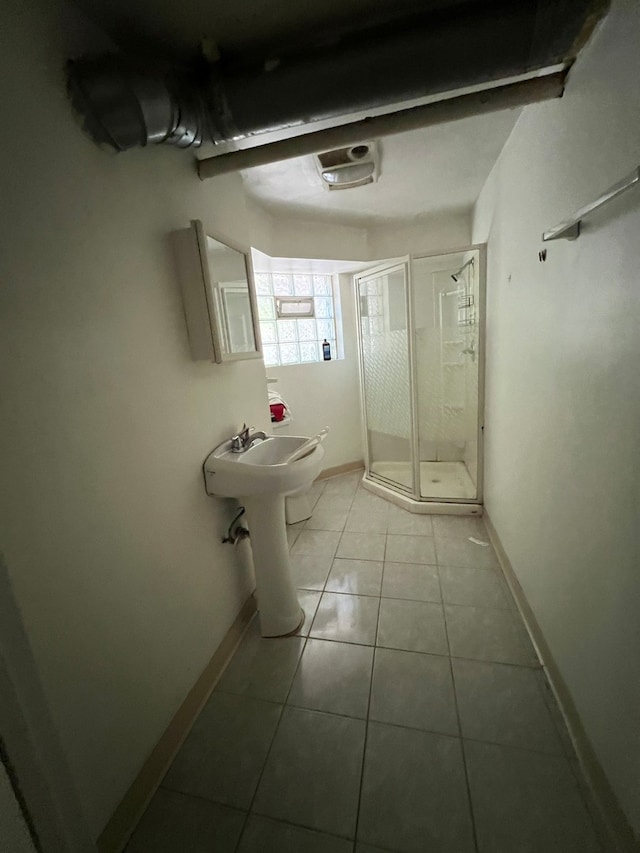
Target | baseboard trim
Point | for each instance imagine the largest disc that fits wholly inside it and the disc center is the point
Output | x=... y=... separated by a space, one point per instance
x=612 y=821
x=341 y=469
x=131 y=808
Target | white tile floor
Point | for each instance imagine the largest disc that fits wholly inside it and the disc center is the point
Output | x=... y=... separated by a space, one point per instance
x=410 y=714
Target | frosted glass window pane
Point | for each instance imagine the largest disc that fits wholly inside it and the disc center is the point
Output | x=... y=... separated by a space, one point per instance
x=302 y=285
x=324 y=306
x=364 y=326
x=289 y=354
x=287 y=330
x=270 y=355
x=306 y=330
x=322 y=285
x=266 y=308
x=297 y=339
x=308 y=351
x=268 y=333
x=282 y=284
x=263 y=284
x=325 y=329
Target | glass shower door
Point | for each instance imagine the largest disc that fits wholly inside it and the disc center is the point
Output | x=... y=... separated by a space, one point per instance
x=386 y=374
x=447 y=305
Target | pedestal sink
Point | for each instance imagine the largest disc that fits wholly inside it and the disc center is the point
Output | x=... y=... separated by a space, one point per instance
x=259 y=478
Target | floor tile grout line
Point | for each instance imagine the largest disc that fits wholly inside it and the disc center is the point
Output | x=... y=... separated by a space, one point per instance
x=284 y=706
x=518 y=748
x=247 y=814
x=599 y=825
x=366 y=727
x=210 y=801
x=203 y=799
x=530 y=666
x=464 y=758
x=275 y=734
x=304 y=826
x=385 y=560
x=441 y=601
x=438 y=732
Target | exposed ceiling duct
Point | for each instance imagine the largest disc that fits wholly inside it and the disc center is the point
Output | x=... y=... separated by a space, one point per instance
x=126 y=103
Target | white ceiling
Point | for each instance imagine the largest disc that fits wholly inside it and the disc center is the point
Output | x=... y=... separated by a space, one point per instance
x=434 y=170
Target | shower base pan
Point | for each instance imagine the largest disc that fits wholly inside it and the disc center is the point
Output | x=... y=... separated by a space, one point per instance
x=439 y=481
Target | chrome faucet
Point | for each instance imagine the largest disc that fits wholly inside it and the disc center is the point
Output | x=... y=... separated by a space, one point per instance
x=245 y=438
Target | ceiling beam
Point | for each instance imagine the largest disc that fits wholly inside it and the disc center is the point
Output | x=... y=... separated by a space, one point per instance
x=507 y=97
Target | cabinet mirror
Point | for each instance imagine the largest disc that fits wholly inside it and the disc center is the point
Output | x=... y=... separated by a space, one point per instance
x=218 y=294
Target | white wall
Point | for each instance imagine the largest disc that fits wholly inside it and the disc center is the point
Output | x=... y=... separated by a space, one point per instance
x=563 y=385
x=422 y=234
x=113 y=548
x=14 y=832
x=305 y=238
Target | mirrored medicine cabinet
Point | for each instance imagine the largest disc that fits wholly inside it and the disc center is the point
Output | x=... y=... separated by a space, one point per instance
x=219 y=297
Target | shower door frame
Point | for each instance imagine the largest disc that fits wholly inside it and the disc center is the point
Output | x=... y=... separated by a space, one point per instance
x=379 y=269
x=382 y=268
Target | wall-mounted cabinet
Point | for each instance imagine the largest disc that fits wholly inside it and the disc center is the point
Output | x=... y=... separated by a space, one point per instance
x=218 y=293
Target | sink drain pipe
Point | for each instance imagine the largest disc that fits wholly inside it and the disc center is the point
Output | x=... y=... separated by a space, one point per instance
x=235 y=533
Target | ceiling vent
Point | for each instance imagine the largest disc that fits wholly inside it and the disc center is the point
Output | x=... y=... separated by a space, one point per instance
x=345 y=168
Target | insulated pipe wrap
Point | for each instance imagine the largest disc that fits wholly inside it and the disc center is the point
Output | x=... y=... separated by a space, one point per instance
x=126 y=107
x=126 y=104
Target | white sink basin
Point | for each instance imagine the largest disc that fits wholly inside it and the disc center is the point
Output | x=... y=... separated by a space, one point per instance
x=262 y=469
x=260 y=477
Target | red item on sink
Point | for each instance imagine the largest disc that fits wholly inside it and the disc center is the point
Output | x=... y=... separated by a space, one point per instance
x=277 y=411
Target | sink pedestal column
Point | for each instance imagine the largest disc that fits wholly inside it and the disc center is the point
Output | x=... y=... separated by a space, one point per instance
x=279 y=609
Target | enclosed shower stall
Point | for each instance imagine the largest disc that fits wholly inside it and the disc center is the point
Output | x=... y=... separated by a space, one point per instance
x=421 y=359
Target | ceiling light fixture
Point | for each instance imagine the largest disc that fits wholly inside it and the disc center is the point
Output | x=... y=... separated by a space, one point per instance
x=348 y=175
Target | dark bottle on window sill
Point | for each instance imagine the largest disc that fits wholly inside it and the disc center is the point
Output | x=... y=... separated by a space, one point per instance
x=326 y=350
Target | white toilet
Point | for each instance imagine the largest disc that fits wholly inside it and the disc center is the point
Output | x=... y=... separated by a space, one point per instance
x=297 y=507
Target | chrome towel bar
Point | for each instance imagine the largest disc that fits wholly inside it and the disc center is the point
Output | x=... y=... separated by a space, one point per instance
x=570 y=229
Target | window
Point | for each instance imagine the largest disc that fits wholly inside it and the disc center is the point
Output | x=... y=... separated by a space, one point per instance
x=297 y=313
